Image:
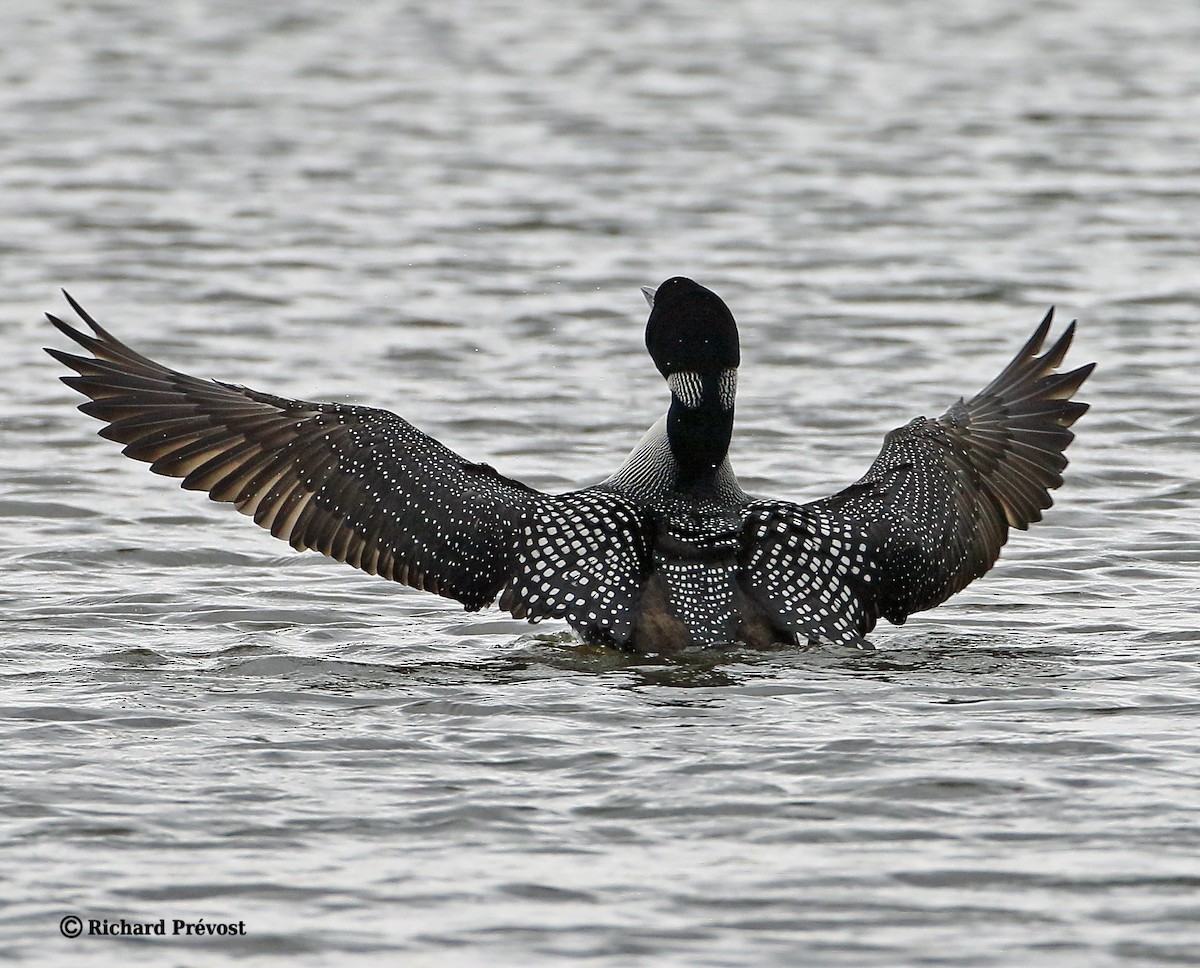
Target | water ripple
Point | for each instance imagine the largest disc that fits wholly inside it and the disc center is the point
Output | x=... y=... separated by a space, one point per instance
x=448 y=212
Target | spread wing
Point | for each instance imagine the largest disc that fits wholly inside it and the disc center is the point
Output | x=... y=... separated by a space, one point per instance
x=366 y=487
x=932 y=512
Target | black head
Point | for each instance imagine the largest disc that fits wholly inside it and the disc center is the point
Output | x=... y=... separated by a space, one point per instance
x=690 y=330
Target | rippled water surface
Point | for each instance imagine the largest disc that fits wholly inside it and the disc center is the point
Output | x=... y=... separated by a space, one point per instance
x=446 y=209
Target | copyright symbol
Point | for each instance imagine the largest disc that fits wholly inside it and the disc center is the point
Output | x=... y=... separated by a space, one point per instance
x=70 y=926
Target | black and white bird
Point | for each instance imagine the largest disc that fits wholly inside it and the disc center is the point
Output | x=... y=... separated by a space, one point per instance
x=667 y=553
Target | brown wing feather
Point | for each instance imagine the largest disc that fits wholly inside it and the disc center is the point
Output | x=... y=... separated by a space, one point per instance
x=360 y=485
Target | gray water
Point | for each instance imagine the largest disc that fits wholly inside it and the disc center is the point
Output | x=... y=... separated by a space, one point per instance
x=447 y=209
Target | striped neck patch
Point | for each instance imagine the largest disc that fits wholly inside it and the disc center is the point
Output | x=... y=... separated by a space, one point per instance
x=688 y=388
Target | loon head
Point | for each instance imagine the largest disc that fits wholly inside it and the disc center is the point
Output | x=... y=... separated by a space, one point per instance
x=693 y=340
x=690 y=330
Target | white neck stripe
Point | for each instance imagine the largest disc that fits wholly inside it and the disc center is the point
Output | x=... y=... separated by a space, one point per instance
x=687 y=387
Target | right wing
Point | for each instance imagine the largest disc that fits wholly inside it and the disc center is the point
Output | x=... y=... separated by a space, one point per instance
x=366 y=487
x=932 y=512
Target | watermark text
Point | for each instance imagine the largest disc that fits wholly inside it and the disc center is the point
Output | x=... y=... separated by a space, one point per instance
x=73 y=926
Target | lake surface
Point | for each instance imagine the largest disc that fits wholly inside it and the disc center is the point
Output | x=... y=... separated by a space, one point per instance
x=447 y=210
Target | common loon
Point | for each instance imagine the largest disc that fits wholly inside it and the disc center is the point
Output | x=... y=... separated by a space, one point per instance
x=667 y=553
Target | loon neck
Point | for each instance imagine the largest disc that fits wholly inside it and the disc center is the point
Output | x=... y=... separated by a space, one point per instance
x=651 y=473
x=700 y=425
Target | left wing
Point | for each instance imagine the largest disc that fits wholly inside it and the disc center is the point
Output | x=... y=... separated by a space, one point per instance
x=366 y=487
x=932 y=512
